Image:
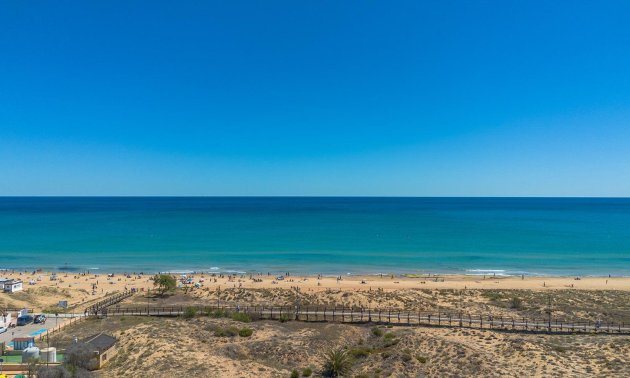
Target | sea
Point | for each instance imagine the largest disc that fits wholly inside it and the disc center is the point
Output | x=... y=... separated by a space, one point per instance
x=317 y=235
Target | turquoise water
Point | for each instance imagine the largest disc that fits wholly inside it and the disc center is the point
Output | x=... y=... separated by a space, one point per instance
x=318 y=235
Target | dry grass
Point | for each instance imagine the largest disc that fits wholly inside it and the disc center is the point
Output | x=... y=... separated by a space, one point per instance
x=157 y=347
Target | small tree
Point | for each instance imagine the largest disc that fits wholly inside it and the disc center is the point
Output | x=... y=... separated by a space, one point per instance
x=164 y=283
x=32 y=367
x=54 y=372
x=337 y=362
x=80 y=356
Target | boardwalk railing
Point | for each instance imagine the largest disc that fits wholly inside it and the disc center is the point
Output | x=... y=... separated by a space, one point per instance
x=383 y=316
x=108 y=301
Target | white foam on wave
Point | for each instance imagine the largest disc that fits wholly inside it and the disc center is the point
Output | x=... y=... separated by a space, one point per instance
x=234 y=271
x=486 y=272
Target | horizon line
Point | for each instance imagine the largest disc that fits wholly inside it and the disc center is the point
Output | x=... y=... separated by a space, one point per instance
x=304 y=196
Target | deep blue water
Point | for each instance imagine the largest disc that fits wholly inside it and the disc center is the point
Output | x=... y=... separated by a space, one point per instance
x=312 y=235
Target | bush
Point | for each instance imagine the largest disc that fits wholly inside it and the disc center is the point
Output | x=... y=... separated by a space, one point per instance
x=295 y=374
x=406 y=357
x=307 y=372
x=493 y=296
x=377 y=332
x=241 y=317
x=53 y=372
x=516 y=303
x=245 y=332
x=284 y=318
x=80 y=356
x=360 y=352
x=337 y=362
x=389 y=336
x=226 y=332
x=421 y=359
x=217 y=314
x=189 y=312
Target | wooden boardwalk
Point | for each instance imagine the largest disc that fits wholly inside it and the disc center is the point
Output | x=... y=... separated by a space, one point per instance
x=381 y=316
x=96 y=308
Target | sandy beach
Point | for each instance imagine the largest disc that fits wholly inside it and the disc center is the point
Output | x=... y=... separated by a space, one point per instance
x=41 y=292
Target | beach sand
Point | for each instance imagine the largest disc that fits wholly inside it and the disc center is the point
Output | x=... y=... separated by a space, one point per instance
x=81 y=290
x=151 y=346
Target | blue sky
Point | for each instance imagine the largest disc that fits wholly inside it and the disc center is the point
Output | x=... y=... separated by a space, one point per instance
x=443 y=98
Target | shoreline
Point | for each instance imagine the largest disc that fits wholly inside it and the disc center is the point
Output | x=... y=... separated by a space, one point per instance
x=503 y=273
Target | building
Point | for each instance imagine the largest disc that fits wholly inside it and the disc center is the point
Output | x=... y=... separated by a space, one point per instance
x=103 y=346
x=21 y=343
x=12 y=286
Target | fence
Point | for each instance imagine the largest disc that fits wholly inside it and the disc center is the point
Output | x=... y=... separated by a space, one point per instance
x=385 y=316
x=57 y=328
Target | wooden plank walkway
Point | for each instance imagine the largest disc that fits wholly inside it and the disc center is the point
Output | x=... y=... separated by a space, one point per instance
x=96 y=308
x=383 y=316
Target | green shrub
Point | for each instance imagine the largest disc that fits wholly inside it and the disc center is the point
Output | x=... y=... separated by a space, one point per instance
x=421 y=359
x=226 y=332
x=241 y=317
x=295 y=374
x=189 y=312
x=389 y=336
x=516 y=303
x=493 y=296
x=360 y=352
x=377 y=332
x=406 y=357
x=362 y=375
x=284 y=318
x=217 y=313
x=231 y=331
x=307 y=372
x=245 y=332
x=337 y=362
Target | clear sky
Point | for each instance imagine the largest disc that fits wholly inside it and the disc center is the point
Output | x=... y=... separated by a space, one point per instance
x=440 y=98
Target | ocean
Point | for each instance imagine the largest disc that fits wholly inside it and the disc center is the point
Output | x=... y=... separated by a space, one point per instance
x=504 y=236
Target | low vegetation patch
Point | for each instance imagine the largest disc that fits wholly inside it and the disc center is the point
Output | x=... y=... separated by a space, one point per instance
x=245 y=332
x=241 y=317
x=377 y=332
x=230 y=331
x=360 y=352
x=189 y=312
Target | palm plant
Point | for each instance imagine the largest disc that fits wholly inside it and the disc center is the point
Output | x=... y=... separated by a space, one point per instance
x=337 y=363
